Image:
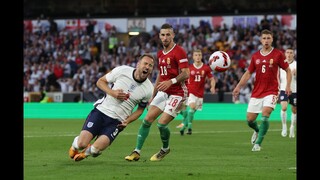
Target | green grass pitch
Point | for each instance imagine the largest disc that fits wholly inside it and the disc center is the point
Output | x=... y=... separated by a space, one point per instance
x=217 y=150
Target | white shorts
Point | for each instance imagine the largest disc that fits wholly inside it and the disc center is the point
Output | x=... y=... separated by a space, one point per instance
x=256 y=104
x=194 y=99
x=169 y=104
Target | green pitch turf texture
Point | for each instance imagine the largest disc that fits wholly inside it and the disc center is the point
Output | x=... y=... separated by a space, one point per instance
x=216 y=150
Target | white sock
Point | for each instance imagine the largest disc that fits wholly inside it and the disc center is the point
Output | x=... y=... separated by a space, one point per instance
x=165 y=149
x=283 y=115
x=137 y=150
x=94 y=150
x=293 y=119
x=75 y=143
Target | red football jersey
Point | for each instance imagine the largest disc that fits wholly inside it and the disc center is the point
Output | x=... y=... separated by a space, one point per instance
x=267 y=75
x=197 y=79
x=169 y=67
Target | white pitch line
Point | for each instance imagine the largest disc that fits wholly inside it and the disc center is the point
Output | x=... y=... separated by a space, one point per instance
x=57 y=134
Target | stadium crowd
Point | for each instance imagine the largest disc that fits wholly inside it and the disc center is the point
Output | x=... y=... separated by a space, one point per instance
x=72 y=61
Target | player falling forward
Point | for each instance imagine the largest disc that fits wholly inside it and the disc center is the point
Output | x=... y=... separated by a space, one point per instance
x=113 y=112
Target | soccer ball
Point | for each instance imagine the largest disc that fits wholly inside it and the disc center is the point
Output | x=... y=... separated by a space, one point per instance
x=219 y=61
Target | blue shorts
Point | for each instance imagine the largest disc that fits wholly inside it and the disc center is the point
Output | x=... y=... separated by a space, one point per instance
x=292 y=99
x=100 y=124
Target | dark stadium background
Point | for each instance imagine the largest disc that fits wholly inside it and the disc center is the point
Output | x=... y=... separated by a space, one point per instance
x=141 y=8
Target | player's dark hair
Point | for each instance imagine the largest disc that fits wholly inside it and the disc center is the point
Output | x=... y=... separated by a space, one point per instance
x=289 y=48
x=148 y=55
x=266 y=31
x=166 y=26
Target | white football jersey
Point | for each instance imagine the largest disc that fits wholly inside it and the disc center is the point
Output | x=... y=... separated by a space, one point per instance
x=139 y=93
x=283 y=77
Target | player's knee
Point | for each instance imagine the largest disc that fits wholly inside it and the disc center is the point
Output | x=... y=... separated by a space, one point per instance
x=82 y=145
x=146 y=123
x=162 y=126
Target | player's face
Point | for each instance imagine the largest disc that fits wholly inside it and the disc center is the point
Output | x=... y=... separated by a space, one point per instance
x=266 y=40
x=144 y=68
x=166 y=36
x=289 y=54
x=197 y=56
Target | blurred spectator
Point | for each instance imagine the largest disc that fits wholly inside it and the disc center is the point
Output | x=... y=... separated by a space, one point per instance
x=245 y=94
x=113 y=42
x=58 y=70
x=90 y=27
x=84 y=55
x=265 y=23
x=53 y=26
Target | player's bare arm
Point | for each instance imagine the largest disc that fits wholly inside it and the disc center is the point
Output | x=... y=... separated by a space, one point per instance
x=134 y=116
x=289 y=78
x=184 y=75
x=212 y=85
x=243 y=81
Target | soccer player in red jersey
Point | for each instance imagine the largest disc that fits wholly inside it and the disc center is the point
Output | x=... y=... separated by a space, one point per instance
x=266 y=64
x=199 y=74
x=170 y=92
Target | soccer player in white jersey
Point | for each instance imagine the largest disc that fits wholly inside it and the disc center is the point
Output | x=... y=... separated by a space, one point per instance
x=130 y=87
x=291 y=99
x=169 y=94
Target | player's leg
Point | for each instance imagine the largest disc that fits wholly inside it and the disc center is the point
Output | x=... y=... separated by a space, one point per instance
x=185 y=116
x=143 y=133
x=155 y=109
x=107 y=134
x=191 y=113
x=170 y=112
x=252 y=123
x=293 y=124
x=164 y=136
x=283 y=112
x=283 y=115
x=254 y=107
x=80 y=143
x=263 y=129
x=293 y=103
x=194 y=103
x=144 y=128
x=87 y=134
x=93 y=150
x=164 y=130
x=74 y=149
x=184 y=113
x=269 y=103
x=184 y=123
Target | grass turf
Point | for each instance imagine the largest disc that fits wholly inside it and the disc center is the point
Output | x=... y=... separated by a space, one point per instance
x=215 y=150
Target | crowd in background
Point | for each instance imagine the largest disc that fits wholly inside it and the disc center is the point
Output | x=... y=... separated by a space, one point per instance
x=72 y=61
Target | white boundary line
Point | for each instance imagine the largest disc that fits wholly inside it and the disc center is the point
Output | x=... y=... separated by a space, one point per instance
x=68 y=134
